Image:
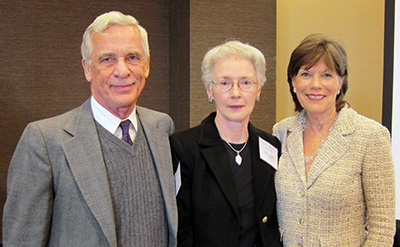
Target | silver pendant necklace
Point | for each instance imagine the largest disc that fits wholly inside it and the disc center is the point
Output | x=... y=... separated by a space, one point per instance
x=238 y=158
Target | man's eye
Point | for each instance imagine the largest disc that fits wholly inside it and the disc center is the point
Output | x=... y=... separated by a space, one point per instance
x=106 y=59
x=133 y=59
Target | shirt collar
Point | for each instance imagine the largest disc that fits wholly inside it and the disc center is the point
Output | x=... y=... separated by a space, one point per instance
x=106 y=119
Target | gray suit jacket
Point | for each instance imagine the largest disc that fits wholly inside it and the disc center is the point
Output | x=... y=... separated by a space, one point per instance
x=57 y=187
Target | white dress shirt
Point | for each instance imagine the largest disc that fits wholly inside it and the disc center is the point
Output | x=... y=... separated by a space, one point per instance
x=111 y=122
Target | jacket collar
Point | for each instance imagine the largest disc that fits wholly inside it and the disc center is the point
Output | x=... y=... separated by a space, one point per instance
x=332 y=149
x=84 y=155
x=214 y=152
x=83 y=152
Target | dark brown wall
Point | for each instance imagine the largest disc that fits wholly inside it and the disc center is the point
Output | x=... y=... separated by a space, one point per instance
x=179 y=62
x=40 y=65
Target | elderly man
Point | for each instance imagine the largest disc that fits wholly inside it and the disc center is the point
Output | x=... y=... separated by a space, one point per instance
x=100 y=174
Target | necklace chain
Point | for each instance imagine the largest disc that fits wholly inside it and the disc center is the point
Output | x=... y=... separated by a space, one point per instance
x=311 y=158
x=238 y=158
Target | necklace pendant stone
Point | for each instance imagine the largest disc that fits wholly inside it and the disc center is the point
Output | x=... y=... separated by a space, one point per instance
x=238 y=159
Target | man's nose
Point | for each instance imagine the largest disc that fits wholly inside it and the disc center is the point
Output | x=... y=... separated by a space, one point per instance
x=121 y=69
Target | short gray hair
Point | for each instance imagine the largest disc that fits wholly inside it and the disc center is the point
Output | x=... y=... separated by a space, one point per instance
x=237 y=49
x=102 y=22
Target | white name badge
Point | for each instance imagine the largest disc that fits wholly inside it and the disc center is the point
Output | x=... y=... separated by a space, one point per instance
x=178 y=181
x=268 y=153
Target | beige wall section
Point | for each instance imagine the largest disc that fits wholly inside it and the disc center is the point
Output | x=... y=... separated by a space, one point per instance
x=359 y=24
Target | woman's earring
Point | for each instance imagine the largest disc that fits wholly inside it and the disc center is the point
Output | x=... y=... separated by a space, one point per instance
x=294 y=90
x=258 y=99
x=210 y=100
x=338 y=92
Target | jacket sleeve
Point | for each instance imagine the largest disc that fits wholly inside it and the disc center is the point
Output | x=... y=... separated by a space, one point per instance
x=28 y=208
x=379 y=189
x=180 y=158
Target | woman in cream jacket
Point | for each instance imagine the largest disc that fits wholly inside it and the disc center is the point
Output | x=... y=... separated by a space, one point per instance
x=335 y=181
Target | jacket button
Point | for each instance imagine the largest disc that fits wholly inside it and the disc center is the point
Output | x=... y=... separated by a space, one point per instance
x=265 y=219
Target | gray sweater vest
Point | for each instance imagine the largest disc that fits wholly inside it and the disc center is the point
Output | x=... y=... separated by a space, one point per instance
x=135 y=191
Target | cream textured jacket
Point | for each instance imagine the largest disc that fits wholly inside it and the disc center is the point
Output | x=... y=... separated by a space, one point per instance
x=350 y=184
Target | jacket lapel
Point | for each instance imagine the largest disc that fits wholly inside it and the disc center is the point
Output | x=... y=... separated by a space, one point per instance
x=218 y=162
x=294 y=145
x=84 y=155
x=334 y=147
x=215 y=154
x=158 y=140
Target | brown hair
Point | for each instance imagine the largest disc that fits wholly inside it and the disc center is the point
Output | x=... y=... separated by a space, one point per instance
x=313 y=49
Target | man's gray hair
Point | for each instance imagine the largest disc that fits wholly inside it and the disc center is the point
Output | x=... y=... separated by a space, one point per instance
x=102 y=22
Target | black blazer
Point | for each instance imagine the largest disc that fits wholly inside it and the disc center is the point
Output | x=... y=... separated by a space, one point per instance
x=208 y=210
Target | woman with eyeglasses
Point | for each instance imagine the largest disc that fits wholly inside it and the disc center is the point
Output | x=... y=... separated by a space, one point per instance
x=227 y=166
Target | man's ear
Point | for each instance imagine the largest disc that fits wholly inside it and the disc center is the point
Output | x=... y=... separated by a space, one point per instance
x=86 y=69
x=147 y=67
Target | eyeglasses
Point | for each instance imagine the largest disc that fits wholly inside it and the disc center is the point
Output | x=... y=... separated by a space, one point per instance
x=225 y=84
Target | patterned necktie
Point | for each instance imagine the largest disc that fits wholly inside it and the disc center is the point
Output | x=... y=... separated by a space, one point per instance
x=125 y=131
